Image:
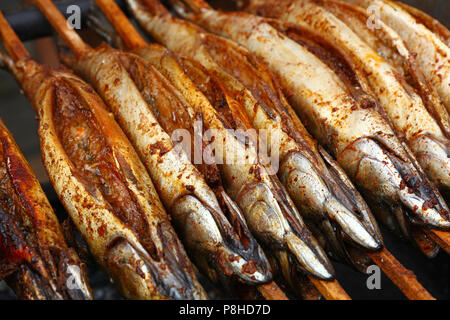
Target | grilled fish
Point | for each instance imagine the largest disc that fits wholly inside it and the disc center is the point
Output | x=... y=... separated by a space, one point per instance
x=432 y=24
x=34 y=257
x=135 y=93
x=415 y=111
x=196 y=212
x=350 y=124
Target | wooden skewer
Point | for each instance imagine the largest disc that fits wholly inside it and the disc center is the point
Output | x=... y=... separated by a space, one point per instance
x=403 y=278
x=271 y=291
x=442 y=238
x=12 y=43
x=155 y=7
x=330 y=290
x=70 y=36
x=122 y=25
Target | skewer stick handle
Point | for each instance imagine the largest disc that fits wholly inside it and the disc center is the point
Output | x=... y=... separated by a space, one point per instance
x=271 y=291
x=70 y=36
x=330 y=290
x=403 y=278
x=123 y=26
x=15 y=47
x=442 y=238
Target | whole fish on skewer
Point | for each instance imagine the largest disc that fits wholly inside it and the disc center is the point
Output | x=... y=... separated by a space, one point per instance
x=350 y=124
x=34 y=257
x=314 y=181
x=215 y=233
x=102 y=183
x=409 y=101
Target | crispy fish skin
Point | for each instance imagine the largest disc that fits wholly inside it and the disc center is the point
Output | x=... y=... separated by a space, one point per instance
x=426 y=131
x=433 y=56
x=352 y=127
x=105 y=188
x=34 y=257
x=131 y=88
x=269 y=211
x=303 y=170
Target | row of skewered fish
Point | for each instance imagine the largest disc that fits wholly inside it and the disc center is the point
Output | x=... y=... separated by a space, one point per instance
x=350 y=105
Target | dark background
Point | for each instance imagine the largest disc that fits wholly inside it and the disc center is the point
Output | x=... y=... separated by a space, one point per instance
x=20 y=119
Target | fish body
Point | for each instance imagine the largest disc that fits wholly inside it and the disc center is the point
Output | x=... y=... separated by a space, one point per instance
x=34 y=257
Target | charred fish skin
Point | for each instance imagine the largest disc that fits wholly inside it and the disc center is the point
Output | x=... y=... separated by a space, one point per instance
x=34 y=257
x=196 y=213
x=270 y=213
x=357 y=134
x=425 y=130
x=432 y=54
x=105 y=188
x=303 y=170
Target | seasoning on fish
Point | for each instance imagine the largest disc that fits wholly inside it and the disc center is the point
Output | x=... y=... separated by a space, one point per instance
x=238 y=179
